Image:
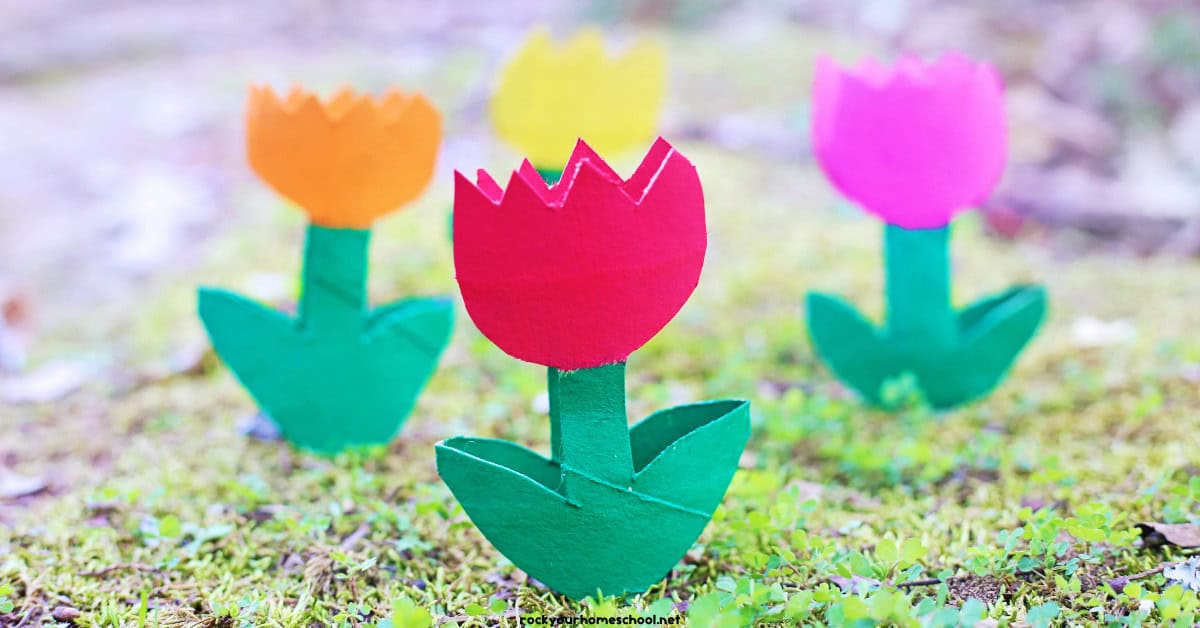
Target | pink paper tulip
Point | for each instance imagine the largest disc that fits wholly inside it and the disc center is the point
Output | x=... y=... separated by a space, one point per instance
x=914 y=144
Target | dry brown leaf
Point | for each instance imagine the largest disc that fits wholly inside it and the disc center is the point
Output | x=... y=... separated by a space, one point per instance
x=1185 y=535
x=14 y=485
x=48 y=383
x=855 y=584
x=807 y=490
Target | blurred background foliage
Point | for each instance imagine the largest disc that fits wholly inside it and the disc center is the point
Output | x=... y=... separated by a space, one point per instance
x=122 y=152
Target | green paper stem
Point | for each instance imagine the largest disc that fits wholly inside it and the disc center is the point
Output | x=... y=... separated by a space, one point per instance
x=339 y=374
x=917 y=269
x=333 y=295
x=589 y=432
x=550 y=176
x=956 y=355
x=614 y=537
x=613 y=508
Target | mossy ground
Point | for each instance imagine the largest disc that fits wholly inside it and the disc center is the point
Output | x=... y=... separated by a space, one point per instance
x=160 y=511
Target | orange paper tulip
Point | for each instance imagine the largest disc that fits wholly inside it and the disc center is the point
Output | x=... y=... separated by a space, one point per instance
x=345 y=161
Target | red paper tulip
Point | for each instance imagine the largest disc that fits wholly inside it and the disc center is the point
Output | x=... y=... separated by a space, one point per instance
x=914 y=144
x=582 y=273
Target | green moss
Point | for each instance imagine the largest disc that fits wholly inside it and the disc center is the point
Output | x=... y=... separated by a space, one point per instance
x=1025 y=501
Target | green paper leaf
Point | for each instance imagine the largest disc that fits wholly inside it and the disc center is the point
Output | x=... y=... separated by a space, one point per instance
x=614 y=508
x=339 y=374
x=955 y=356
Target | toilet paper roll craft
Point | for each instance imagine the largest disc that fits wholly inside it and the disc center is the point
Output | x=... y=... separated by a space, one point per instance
x=576 y=276
x=915 y=144
x=340 y=372
x=549 y=95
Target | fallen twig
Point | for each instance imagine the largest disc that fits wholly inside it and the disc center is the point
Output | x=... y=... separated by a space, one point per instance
x=1119 y=582
x=119 y=567
x=354 y=537
x=927 y=582
x=509 y=614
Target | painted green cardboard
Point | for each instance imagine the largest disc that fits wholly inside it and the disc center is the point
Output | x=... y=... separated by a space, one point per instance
x=957 y=356
x=613 y=509
x=550 y=176
x=339 y=374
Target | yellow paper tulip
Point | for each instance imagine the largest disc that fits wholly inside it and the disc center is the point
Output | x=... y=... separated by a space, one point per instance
x=550 y=96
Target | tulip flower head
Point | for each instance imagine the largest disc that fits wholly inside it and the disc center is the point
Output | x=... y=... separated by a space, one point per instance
x=582 y=273
x=915 y=143
x=345 y=161
x=549 y=96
